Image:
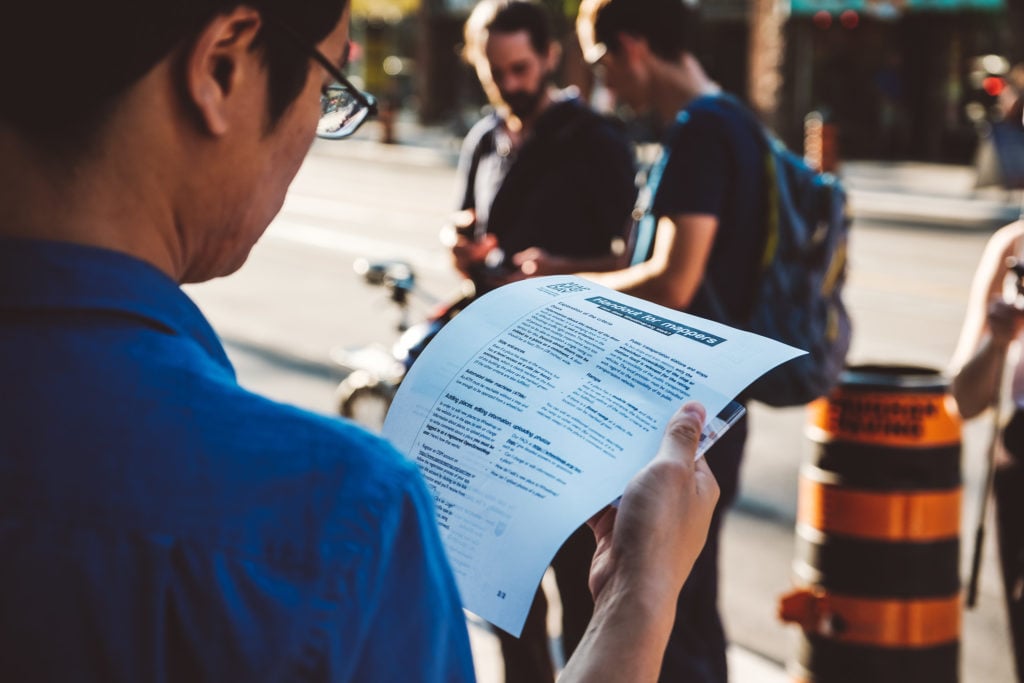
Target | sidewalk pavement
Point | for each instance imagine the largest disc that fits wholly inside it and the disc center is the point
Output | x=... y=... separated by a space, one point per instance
x=926 y=194
x=744 y=666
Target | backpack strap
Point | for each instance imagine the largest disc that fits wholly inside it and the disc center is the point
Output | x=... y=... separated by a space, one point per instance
x=771 y=176
x=643 y=210
x=771 y=219
x=485 y=143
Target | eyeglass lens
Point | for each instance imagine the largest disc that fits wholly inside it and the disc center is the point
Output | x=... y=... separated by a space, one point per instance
x=342 y=113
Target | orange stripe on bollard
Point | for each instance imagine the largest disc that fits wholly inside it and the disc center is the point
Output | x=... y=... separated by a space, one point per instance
x=871 y=621
x=895 y=623
x=885 y=419
x=886 y=516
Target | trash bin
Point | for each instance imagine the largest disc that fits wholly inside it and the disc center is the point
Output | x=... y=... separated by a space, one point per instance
x=878 y=532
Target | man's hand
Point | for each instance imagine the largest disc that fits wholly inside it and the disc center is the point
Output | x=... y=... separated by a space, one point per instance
x=645 y=550
x=535 y=262
x=468 y=255
x=661 y=523
x=1005 y=322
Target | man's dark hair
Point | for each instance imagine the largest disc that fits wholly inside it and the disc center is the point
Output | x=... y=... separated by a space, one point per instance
x=65 y=63
x=518 y=16
x=669 y=26
x=507 y=16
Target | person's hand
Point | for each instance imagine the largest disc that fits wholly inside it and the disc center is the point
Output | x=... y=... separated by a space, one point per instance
x=1005 y=322
x=645 y=550
x=535 y=261
x=469 y=254
x=653 y=537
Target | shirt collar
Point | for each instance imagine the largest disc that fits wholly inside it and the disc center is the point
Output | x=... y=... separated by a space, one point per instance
x=40 y=275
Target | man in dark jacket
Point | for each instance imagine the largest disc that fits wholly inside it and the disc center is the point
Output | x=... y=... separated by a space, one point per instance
x=547 y=186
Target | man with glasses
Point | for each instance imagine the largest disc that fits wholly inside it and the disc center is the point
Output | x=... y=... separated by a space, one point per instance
x=157 y=521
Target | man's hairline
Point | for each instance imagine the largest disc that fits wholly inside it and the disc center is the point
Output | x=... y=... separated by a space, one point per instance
x=488 y=32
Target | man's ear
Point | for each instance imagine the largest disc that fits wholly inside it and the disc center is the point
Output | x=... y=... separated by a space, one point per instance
x=217 y=64
x=554 y=55
x=632 y=46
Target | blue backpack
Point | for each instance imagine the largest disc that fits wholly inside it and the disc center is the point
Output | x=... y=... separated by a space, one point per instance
x=803 y=268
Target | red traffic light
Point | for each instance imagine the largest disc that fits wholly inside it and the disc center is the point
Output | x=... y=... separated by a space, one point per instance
x=993 y=85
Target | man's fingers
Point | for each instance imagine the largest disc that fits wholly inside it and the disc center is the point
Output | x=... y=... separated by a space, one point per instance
x=706 y=482
x=602 y=521
x=682 y=435
x=529 y=254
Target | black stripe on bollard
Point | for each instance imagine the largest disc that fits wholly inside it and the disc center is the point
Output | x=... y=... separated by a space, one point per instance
x=820 y=659
x=883 y=468
x=860 y=567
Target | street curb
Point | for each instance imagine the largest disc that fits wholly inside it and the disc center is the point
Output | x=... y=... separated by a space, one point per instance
x=894 y=206
x=920 y=209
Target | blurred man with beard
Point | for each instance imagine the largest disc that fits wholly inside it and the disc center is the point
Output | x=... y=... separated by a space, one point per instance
x=547 y=186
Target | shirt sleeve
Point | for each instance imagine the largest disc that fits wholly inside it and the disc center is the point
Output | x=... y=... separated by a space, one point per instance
x=696 y=177
x=464 y=193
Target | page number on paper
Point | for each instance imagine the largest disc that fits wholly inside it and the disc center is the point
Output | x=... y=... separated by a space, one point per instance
x=501 y=594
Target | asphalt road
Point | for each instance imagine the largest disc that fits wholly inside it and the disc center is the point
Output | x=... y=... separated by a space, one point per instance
x=298 y=297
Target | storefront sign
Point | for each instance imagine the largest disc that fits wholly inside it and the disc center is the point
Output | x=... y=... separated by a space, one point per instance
x=383 y=10
x=891 y=7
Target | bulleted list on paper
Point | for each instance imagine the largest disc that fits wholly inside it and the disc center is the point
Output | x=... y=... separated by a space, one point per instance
x=533 y=408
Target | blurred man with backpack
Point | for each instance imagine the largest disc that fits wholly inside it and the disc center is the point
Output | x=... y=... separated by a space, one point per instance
x=710 y=204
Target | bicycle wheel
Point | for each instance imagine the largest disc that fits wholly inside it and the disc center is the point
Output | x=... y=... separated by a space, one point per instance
x=365 y=399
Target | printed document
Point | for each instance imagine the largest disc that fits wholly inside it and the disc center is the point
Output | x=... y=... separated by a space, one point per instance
x=533 y=408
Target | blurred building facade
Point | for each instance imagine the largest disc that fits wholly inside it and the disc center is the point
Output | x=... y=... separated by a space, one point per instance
x=898 y=79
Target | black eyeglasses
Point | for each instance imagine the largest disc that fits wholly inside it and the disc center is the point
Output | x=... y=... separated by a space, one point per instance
x=343 y=106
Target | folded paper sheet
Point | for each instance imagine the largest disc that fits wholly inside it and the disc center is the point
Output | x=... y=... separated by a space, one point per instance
x=533 y=408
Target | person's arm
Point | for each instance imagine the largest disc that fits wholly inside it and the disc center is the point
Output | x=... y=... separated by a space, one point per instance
x=534 y=262
x=675 y=270
x=975 y=386
x=690 y=198
x=645 y=550
x=989 y=328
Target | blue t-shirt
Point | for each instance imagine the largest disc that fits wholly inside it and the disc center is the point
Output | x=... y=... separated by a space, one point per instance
x=160 y=523
x=716 y=166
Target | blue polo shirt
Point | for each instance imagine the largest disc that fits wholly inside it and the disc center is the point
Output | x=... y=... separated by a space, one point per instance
x=160 y=523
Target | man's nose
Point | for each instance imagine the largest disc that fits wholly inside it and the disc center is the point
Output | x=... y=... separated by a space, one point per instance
x=511 y=83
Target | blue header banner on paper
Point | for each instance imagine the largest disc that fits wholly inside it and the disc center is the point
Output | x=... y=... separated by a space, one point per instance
x=892 y=7
x=654 y=322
